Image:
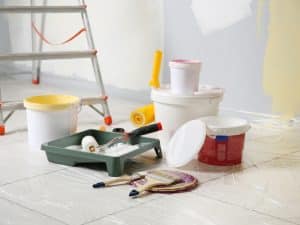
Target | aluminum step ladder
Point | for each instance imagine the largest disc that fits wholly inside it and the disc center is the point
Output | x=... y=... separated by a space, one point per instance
x=37 y=55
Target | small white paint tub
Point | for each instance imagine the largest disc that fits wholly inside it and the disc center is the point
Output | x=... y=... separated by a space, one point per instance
x=174 y=110
x=184 y=76
x=50 y=117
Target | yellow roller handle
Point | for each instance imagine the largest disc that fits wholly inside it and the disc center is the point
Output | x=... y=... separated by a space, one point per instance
x=143 y=115
x=154 y=82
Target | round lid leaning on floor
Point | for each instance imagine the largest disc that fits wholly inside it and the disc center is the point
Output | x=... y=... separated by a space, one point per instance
x=186 y=143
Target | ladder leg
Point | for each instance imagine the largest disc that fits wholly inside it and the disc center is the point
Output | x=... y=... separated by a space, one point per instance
x=96 y=66
x=39 y=62
x=2 y=125
x=106 y=112
x=35 y=78
x=36 y=64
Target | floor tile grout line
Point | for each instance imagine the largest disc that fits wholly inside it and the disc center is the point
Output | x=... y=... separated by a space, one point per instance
x=32 y=177
x=245 y=208
x=125 y=209
x=121 y=210
x=279 y=218
x=228 y=203
x=35 y=211
x=255 y=165
x=244 y=169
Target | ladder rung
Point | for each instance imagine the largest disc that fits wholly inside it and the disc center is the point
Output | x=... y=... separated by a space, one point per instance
x=93 y=101
x=11 y=106
x=18 y=105
x=42 y=9
x=47 y=55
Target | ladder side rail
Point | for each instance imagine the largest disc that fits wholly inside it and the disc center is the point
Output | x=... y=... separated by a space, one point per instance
x=41 y=43
x=2 y=125
x=35 y=79
x=91 y=45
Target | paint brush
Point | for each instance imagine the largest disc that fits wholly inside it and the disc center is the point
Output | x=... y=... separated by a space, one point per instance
x=154 y=179
x=90 y=144
x=126 y=179
x=124 y=137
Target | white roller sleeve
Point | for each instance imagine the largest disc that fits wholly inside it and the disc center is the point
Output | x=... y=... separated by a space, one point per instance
x=89 y=144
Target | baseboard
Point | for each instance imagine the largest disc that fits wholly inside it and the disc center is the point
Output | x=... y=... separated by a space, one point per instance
x=23 y=72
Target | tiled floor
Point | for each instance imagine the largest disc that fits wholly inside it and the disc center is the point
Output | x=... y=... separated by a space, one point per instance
x=263 y=190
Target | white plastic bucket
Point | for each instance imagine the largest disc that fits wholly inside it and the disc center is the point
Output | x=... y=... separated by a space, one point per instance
x=174 y=110
x=184 y=76
x=50 y=117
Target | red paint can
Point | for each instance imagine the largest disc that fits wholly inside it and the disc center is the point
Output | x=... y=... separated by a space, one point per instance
x=224 y=142
x=219 y=139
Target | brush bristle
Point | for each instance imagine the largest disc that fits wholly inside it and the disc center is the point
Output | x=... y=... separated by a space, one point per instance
x=164 y=176
x=137 y=176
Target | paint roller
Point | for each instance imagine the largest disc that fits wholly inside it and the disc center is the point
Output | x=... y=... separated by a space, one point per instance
x=154 y=82
x=145 y=114
x=89 y=143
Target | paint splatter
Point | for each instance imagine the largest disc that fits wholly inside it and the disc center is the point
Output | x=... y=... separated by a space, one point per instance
x=282 y=58
x=260 y=7
x=214 y=15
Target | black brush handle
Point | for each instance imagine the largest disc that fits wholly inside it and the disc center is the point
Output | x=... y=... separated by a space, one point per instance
x=145 y=130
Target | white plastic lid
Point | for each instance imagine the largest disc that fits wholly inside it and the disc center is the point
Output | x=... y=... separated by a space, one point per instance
x=185 y=64
x=164 y=95
x=189 y=138
x=226 y=126
x=186 y=143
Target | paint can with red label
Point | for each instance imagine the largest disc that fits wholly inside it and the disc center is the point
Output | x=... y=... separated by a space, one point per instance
x=224 y=141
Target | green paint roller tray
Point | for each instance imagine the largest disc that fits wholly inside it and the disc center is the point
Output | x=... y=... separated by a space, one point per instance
x=57 y=151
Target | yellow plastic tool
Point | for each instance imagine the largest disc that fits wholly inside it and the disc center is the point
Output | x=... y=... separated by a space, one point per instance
x=154 y=82
x=143 y=115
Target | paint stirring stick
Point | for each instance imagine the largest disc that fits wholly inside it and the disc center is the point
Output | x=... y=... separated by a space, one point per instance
x=119 y=181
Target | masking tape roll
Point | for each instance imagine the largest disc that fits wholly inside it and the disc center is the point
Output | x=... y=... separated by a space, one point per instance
x=89 y=144
x=143 y=115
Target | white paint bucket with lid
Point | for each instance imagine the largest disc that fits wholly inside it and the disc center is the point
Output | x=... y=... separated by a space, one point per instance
x=175 y=110
x=184 y=76
x=50 y=117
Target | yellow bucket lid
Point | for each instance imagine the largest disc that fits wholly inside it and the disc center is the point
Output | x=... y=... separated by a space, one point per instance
x=50 y=102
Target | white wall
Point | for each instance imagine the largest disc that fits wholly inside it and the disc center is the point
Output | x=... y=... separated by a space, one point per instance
x=232 y=58
x=5 y=44
x=126 y=33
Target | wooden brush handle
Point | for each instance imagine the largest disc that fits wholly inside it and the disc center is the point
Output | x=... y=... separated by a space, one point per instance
x=125 y=179
x=112 y=182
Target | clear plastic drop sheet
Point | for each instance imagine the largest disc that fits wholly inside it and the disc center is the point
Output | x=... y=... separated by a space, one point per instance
x=264 y=189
